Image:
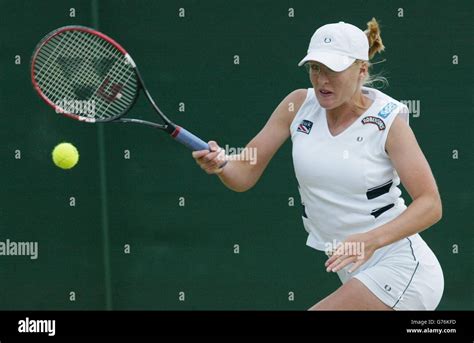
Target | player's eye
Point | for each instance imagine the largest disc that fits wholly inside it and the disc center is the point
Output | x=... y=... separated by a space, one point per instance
x=313 y=67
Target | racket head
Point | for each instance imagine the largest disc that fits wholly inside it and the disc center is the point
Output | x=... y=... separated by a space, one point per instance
x=84 y=74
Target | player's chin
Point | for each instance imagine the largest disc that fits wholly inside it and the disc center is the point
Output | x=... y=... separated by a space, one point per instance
x=326 y=103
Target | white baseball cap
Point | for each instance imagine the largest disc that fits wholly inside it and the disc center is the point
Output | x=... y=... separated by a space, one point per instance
x=337 y=46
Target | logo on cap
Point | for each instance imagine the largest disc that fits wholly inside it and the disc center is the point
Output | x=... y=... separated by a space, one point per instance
x=327 y=40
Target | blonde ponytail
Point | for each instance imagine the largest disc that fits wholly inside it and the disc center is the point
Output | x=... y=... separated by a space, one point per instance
x=375 y=46
x=373 y=35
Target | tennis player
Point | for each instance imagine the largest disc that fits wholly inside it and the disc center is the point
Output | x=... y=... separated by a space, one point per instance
x=352 y=146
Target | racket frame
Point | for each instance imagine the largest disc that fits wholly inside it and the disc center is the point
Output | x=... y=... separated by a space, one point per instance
x=168 y=125
x=178 y=133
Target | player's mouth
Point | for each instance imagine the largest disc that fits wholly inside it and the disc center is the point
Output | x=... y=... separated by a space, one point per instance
x=325 y=93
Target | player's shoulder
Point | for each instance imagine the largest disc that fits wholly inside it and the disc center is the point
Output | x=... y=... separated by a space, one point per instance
x=295 y=99
x=297 y=96
x=289 y=106
x=388 y=107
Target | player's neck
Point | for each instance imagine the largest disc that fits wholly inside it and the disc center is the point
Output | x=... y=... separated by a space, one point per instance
x=350 y=110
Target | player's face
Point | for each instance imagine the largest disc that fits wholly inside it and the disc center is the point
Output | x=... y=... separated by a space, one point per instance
x=334 y=89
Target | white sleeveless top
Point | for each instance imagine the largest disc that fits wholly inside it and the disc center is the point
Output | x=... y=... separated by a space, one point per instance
x=347 y=182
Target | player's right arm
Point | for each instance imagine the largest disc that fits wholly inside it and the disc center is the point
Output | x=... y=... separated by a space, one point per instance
x=241 y=172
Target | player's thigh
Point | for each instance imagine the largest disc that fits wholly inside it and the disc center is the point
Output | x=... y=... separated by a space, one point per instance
x=353 y=295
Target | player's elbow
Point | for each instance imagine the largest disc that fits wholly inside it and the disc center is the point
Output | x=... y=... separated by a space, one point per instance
x=238 y=185
x=240 y=177
x=241 y=187
x=436 y=208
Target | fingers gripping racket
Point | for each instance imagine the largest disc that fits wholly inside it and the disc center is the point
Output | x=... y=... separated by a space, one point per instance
x=85 y=75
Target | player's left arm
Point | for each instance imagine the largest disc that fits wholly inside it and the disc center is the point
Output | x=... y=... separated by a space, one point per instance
x=424 y=211
x=417 y=178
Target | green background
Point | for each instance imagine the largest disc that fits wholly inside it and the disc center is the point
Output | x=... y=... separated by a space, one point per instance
x=135 y=201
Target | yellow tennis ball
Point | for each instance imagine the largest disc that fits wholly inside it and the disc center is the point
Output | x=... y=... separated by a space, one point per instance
x=65 y=155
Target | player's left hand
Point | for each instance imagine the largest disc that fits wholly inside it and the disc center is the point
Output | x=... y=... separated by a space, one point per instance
x=356 y=249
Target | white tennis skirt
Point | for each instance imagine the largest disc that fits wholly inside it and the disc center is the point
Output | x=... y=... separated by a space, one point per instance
x=405 y=275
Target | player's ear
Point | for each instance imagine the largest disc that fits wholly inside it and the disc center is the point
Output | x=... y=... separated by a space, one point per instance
x=363 y=70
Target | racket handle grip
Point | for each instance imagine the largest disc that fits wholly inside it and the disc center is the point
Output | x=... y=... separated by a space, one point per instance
x=189 y=140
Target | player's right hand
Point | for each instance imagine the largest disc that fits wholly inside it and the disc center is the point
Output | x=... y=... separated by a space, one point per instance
x=213 y=161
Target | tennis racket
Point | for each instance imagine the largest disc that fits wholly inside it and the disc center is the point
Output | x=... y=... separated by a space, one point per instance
x=86 y=75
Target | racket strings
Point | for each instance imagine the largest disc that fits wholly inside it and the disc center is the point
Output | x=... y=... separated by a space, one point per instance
x=117 y=73
x=62 y=63
x=57 y=85
x=46 y=83
x=57 y=65
x=87 y=75
x=122 y=74
x=77 y=65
